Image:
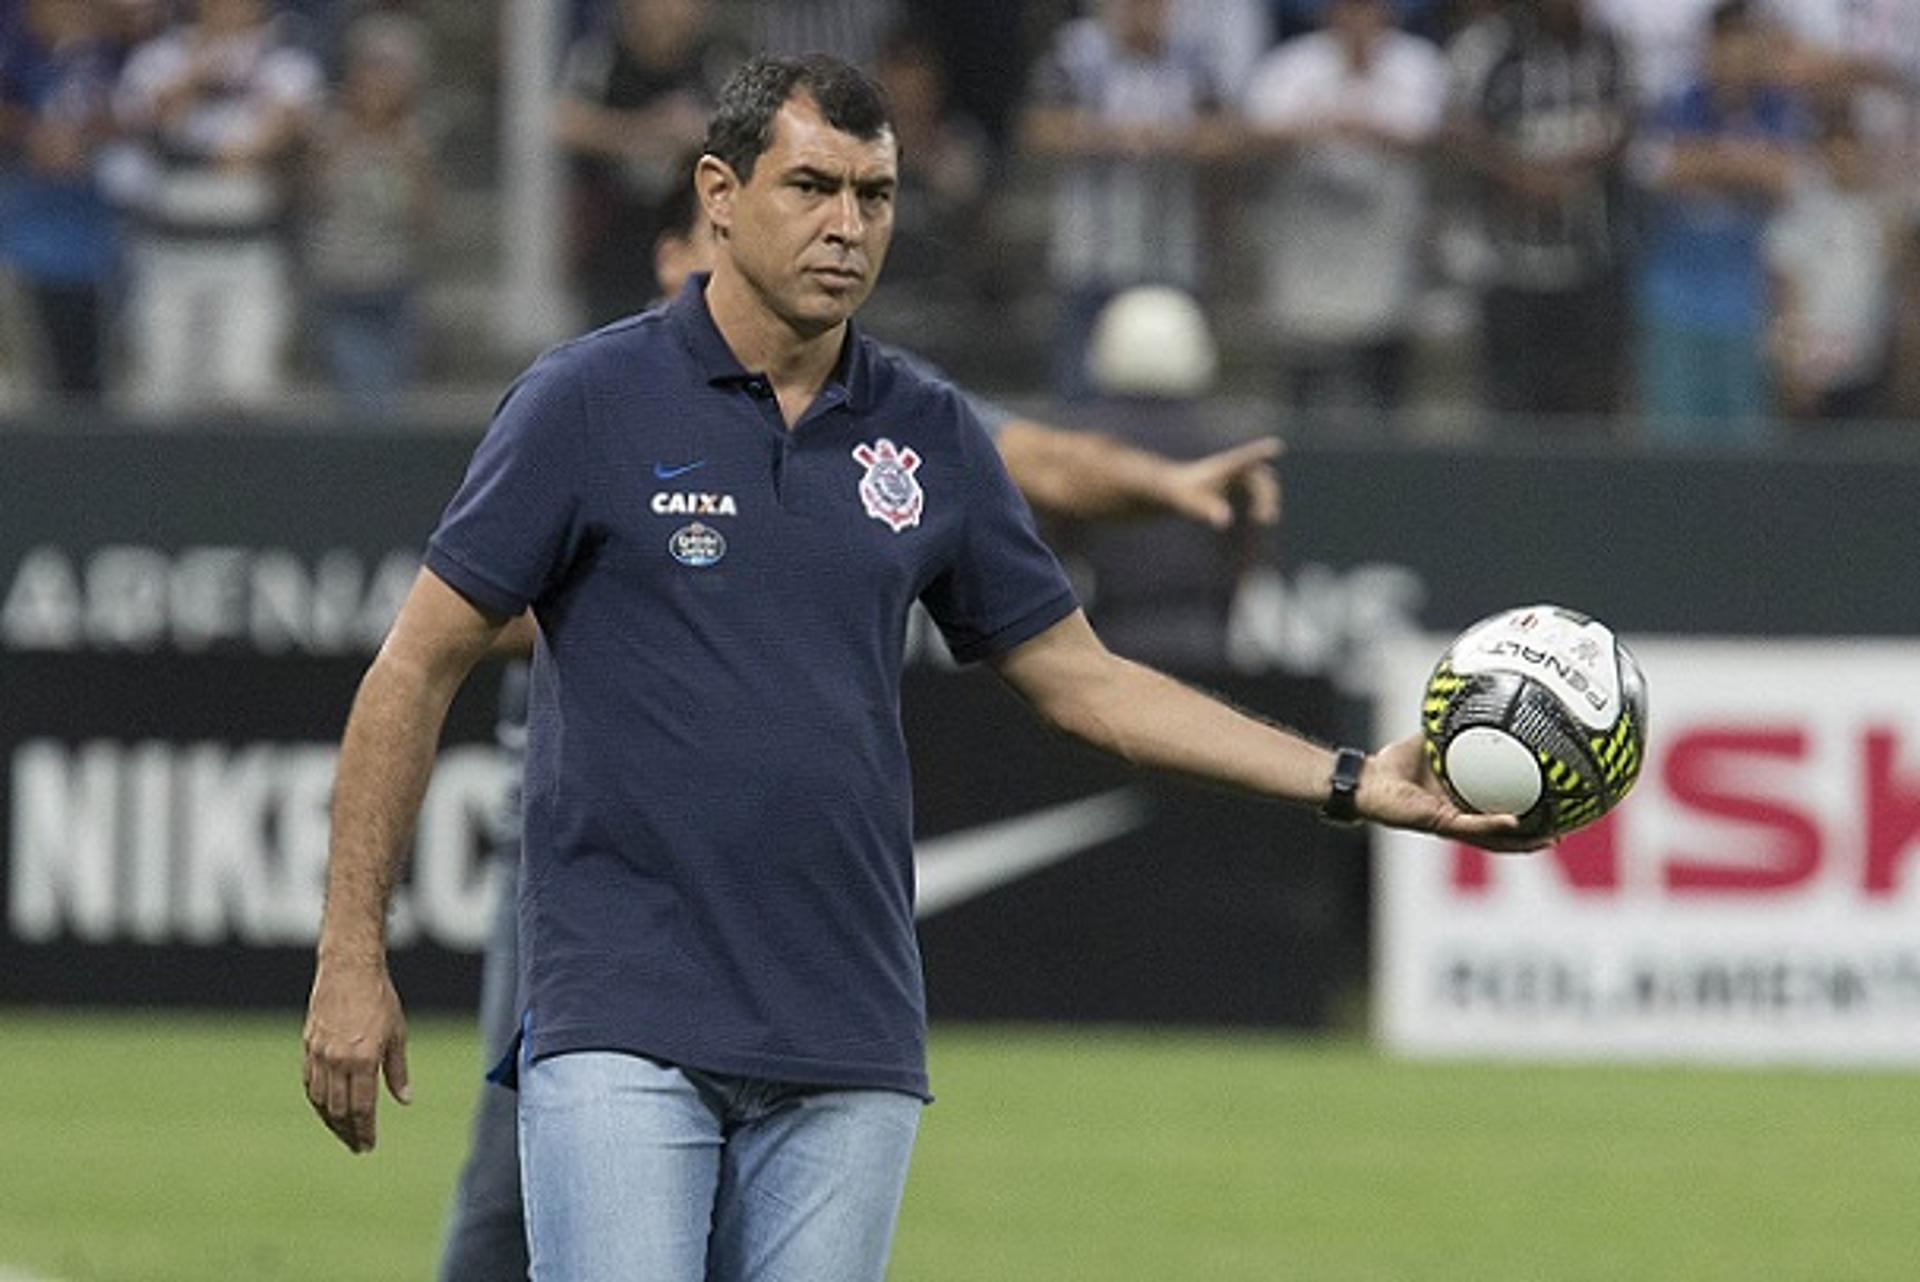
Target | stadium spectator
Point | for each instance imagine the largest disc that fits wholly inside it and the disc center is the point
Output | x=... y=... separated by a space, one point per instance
x=1158 y=590
x=1835 y=248
x=1123 y=117
x=1717 y=159
x=217 y=108
x=854 y=31
x=369 y=198
x=1865 y=54
x=1662 y=41
x=633 y=99
x=1231 y=35
x=944 y=167
x=57 y=234
x=132 y=23
x=1295 y=18
x=723 y=1062
x=1347 y=112
x=1540 y=112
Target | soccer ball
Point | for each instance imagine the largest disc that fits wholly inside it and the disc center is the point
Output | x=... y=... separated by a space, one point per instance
x=1538 y=712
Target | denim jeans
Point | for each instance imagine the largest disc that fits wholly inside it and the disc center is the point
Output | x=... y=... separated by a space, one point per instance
x=634 y=1169
x=1701 y=387
x=370 y=342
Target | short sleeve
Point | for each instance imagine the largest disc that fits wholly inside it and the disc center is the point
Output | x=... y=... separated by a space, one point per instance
x=1003 y=586
x=517 y=522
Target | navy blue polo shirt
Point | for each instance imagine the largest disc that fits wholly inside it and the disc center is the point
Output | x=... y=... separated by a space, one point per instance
x=718 y=817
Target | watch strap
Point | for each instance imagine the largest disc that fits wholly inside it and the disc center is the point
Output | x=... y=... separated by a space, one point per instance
x=1343 y=787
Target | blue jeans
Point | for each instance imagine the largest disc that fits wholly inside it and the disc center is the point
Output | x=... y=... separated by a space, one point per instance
x=370 y=341
x=1702 y=387
x=634 y=1169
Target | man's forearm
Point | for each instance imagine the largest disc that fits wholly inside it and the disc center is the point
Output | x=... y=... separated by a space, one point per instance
x=1153 y=721
x=1079 y=474
x=386 y=756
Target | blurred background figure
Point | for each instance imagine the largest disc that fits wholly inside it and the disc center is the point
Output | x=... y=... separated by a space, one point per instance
x=1123 y=116
x=1163 y=585
x=1428 y=18
x=633 y=98
x=853 y=30
x=1663 y=41
x=217 y=107
x=1231 y=37
x=58 y=238
x=369 y=201
x=1718 y=159
x=934 y=264
x=1347 y=112
x=1539 y=118
x=1836 y=249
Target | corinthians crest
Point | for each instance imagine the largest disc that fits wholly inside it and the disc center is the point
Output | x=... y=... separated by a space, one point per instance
x=888 y=490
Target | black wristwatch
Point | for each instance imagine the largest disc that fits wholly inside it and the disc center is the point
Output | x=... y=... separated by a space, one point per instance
x=1343 y=788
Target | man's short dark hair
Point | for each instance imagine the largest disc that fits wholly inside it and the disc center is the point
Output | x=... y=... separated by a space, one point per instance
x=742 y=126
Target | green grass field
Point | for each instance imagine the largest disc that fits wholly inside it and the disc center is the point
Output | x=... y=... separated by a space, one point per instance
x=161 y=1149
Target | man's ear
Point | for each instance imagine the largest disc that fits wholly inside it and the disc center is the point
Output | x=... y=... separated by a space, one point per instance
x=717 y=184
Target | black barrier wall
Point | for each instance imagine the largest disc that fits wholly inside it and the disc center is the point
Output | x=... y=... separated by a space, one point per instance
x=183 y=618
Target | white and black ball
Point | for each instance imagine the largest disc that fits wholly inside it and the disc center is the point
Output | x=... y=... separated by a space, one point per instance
x=1538 y=712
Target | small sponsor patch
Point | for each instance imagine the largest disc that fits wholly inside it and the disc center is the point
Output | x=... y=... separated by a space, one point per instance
x=697 y=545
x=888 y=490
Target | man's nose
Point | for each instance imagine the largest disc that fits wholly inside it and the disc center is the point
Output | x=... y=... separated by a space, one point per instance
x=845 y=223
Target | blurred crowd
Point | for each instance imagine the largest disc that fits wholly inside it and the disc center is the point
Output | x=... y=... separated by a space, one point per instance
x=182 y=192
x=1696 y=216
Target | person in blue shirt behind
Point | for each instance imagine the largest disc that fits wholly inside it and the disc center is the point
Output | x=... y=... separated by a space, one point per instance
x=720 y=513
x=57 y=231
x=1716 y=160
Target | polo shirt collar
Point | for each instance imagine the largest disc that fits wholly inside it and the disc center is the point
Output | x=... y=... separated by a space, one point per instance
x=851 y=380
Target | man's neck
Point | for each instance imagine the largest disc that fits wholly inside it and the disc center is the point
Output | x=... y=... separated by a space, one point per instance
x=799 y=363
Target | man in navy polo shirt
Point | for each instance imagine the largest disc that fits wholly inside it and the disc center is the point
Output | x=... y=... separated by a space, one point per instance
x=720 y=513
x=1070 y=473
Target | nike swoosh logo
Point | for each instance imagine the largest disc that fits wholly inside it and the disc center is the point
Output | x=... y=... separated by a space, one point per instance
x=952 y=869
x=666 y=471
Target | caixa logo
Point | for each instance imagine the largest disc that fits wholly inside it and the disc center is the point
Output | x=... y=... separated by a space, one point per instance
x=1767 y=809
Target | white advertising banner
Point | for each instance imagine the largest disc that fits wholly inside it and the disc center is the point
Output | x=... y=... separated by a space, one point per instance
x=1757 y=897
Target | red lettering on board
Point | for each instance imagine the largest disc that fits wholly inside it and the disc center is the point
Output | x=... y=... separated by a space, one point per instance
x=1703 y=771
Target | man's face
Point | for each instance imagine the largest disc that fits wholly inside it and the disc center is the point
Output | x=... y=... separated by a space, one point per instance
x=809 y=231
x=1139 y=25
x=1359 y=22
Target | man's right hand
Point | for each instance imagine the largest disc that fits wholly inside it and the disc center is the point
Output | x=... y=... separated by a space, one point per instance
x=355 y=1031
